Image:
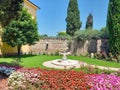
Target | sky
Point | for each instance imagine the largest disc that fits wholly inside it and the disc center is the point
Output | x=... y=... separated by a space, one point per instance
x=52 y=13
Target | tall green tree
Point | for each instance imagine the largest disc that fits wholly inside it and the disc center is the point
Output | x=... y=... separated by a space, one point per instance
x=9 y=9
x=113 y=25
x=89 y=22
x=104 y=33
x=21 y=32
x=73 y=18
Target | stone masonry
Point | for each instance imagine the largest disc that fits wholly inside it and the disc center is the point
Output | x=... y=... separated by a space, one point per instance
x=49 y=46
x=52 y=46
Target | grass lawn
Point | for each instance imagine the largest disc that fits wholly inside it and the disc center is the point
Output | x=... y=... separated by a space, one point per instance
x=36 y=61
x=96 y=61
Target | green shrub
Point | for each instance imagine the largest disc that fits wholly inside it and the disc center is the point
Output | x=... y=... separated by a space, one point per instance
x=82 y=35
x=56 y=53
x=104 y=33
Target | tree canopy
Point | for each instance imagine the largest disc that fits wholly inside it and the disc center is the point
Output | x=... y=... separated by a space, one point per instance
x=104 y=33
x=63 y=35
x=73 y=18
x=113 y=25
x=82 y=35
x=9 y=9
x=89 y=22
x=21 y=32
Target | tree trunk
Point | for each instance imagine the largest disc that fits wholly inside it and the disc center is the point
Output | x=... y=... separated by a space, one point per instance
x=19 y=49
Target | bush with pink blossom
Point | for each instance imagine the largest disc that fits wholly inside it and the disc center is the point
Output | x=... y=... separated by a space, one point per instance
x=104 y=82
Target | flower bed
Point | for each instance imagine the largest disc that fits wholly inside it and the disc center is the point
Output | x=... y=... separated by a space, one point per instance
x=36 y=78
x=104 y=82
x=7 y=70
x=64 y=80
x=48 y=79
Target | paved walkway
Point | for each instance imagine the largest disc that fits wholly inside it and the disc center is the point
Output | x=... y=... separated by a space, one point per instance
x=78 y=65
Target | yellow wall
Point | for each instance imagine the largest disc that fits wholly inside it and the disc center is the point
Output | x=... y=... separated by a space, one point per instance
x=0 y=46
x=25 y=49
x=5 y=48
x=31 y=8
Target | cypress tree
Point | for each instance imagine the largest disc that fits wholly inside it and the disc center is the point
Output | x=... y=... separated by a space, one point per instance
x=73 y=18
x=113 y=25
x=89 y=22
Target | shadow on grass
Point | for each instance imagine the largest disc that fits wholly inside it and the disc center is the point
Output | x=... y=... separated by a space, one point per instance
x=15 y=56
x=13 y=64
x=5 y=63
x=26 y=56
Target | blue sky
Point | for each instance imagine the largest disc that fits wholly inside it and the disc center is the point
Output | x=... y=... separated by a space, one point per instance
x=52 y=14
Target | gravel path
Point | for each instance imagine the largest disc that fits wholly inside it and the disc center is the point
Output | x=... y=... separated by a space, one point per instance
x=78 y=65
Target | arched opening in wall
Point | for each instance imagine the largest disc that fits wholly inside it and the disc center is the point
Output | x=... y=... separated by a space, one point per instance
x=92 y=46
x=105 y=48
x=46 y=48
x=69 y=46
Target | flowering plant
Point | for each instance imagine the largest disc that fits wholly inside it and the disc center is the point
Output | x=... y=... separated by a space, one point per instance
x=104 y=82
x=32 y=75
x=49 y=79
x=67 y=80
x=6 y=70
x=36 y=78
x=16 y=80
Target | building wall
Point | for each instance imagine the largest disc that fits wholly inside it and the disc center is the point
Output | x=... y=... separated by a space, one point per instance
x=0 y=46
x=25 y=49
x=6 y=49
x=31 y=8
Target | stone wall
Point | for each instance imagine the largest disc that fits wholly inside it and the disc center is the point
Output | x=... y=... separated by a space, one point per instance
x=51 y=46
x=82 y=48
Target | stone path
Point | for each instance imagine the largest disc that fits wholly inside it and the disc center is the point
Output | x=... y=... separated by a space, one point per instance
x=78 y=65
